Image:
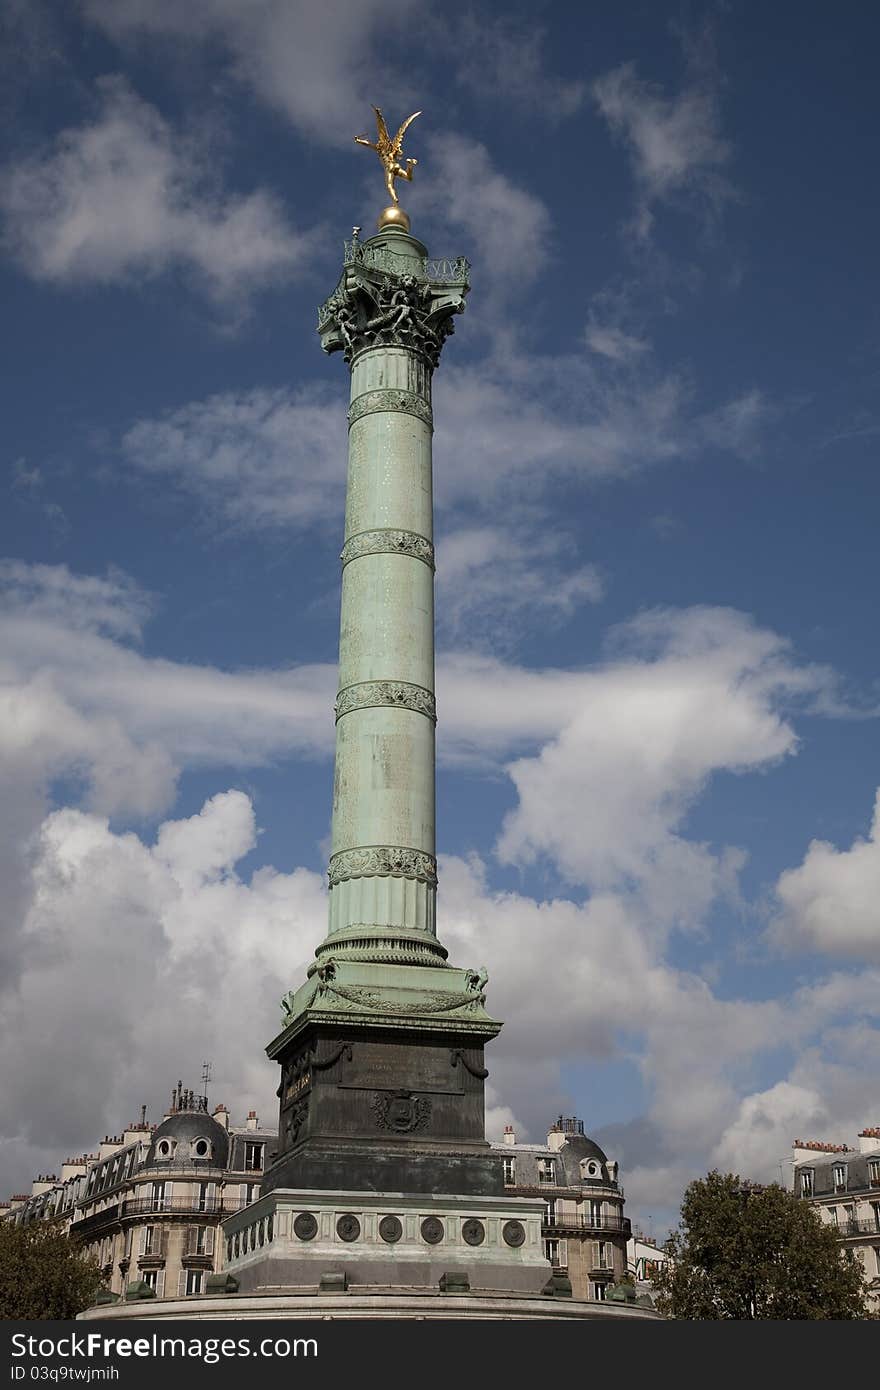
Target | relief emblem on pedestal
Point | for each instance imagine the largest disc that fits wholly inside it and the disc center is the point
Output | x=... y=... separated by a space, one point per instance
x=401 y=1111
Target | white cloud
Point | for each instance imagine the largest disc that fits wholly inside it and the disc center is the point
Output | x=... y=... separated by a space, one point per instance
x=674 y=143
x=261 y=459
x=497 y=57
x=491 y=580
x=179 y=956
x=126 y=197
x=759 y=1138
x=830 y=902
x=321 y=65
x=507 y=229
x=697 y=692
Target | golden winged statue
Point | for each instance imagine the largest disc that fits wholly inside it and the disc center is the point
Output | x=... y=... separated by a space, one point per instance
x=390 y=151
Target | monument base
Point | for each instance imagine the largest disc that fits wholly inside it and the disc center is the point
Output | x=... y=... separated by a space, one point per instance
x=312 y=1305
x=288 y=1239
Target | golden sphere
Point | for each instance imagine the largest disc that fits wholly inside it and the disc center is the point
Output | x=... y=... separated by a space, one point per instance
x=393 y=217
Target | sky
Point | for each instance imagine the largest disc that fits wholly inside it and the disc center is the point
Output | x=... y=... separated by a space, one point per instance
x=656 y=513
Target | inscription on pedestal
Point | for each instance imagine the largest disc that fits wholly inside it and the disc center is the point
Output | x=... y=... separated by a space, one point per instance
x=391 y=1066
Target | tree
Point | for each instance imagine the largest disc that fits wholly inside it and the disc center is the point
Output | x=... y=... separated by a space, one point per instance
x=743 y=1251
x=42 y=1273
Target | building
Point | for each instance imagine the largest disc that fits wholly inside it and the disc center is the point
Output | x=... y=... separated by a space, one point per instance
x=644 y=1260
x=584 y=1229
x=148 y=1205
x=843 y=1184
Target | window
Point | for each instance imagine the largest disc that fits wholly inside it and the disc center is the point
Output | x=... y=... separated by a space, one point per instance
x=848 y=1217
x=875 y=1208
x=546 y=1170
x=832 y=1215
x=838 y=1174
x=160 y=1196
x=253 y=1157
x=201 y=1240
x=595 y=1212
x=874 y=1172
x=148 y=1240
x=202 y=1148
x=601 y=1254
x=550 y=1217
x=551 y=1251
x=156 y=1280
x=164 y=1148
x=194 y=1279
x=509 y=1170
x=599 y=1293
x=206 y=1196
x=806 y=1182
x=250 y=1191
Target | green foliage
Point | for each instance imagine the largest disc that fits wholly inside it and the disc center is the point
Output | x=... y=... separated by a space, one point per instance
x=755 y=1252
x=42 y=1273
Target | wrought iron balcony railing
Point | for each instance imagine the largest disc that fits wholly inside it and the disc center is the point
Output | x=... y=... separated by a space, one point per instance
x=552 y=1225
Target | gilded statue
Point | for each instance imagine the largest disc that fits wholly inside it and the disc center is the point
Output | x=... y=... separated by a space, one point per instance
x=390 y=152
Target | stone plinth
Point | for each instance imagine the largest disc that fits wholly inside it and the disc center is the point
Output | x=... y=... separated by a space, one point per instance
x=388 y=1239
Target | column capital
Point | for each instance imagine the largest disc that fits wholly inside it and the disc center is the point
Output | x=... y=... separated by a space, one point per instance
x=392 y=294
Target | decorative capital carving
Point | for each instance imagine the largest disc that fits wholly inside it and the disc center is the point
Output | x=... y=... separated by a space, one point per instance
x=388 y=541
x=383 y=861
x=406 y=402
x=380 y=302
x=394 y=694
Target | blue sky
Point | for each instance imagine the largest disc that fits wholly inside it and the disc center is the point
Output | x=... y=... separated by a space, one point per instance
x=657 y=503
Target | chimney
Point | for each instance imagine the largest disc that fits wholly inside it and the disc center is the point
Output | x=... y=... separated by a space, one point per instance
x=43 y=1184
x=135 y=1134
x=556 y=1137
x=72 y=1168
x=221 y=1115
x=252 y=1121
x=509 y=1136
x=17 y=1200
x=869 y=1140
x=110 y=1144
x=806 y=1149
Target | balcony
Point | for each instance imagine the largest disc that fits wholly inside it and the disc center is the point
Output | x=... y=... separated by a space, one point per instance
x=869 y=1226
x=180 y=1206
x=560 y=1225
x=89 y=1226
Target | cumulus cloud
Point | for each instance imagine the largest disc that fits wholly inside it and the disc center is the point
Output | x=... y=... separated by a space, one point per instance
x=150 y=957
x=830 y=902
x=125 y=196
x=696 y=692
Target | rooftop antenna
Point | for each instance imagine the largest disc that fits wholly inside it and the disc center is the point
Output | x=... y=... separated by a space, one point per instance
x=207 y=1073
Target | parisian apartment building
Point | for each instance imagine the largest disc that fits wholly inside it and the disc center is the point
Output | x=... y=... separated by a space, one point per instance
x=149 y=1202
x=585 y=1231
x=843 y=1184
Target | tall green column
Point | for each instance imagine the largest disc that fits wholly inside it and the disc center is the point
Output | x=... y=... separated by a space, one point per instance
x=389 y=316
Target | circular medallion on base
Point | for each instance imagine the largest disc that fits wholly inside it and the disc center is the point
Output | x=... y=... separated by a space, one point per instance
x=305 y=1226
x=390 y=1229
x=432 y=1230
x=514 y=1233
x=473 y=1232
x=348 y=1227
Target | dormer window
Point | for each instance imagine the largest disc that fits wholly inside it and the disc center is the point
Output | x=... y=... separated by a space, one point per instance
x=839 y=1177
x=201 y=1148
x=509 y=1171
x=164 y=1148
x=546 y=1170
x=590 y=1169
x=253 y=1157
x=806 y=1182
